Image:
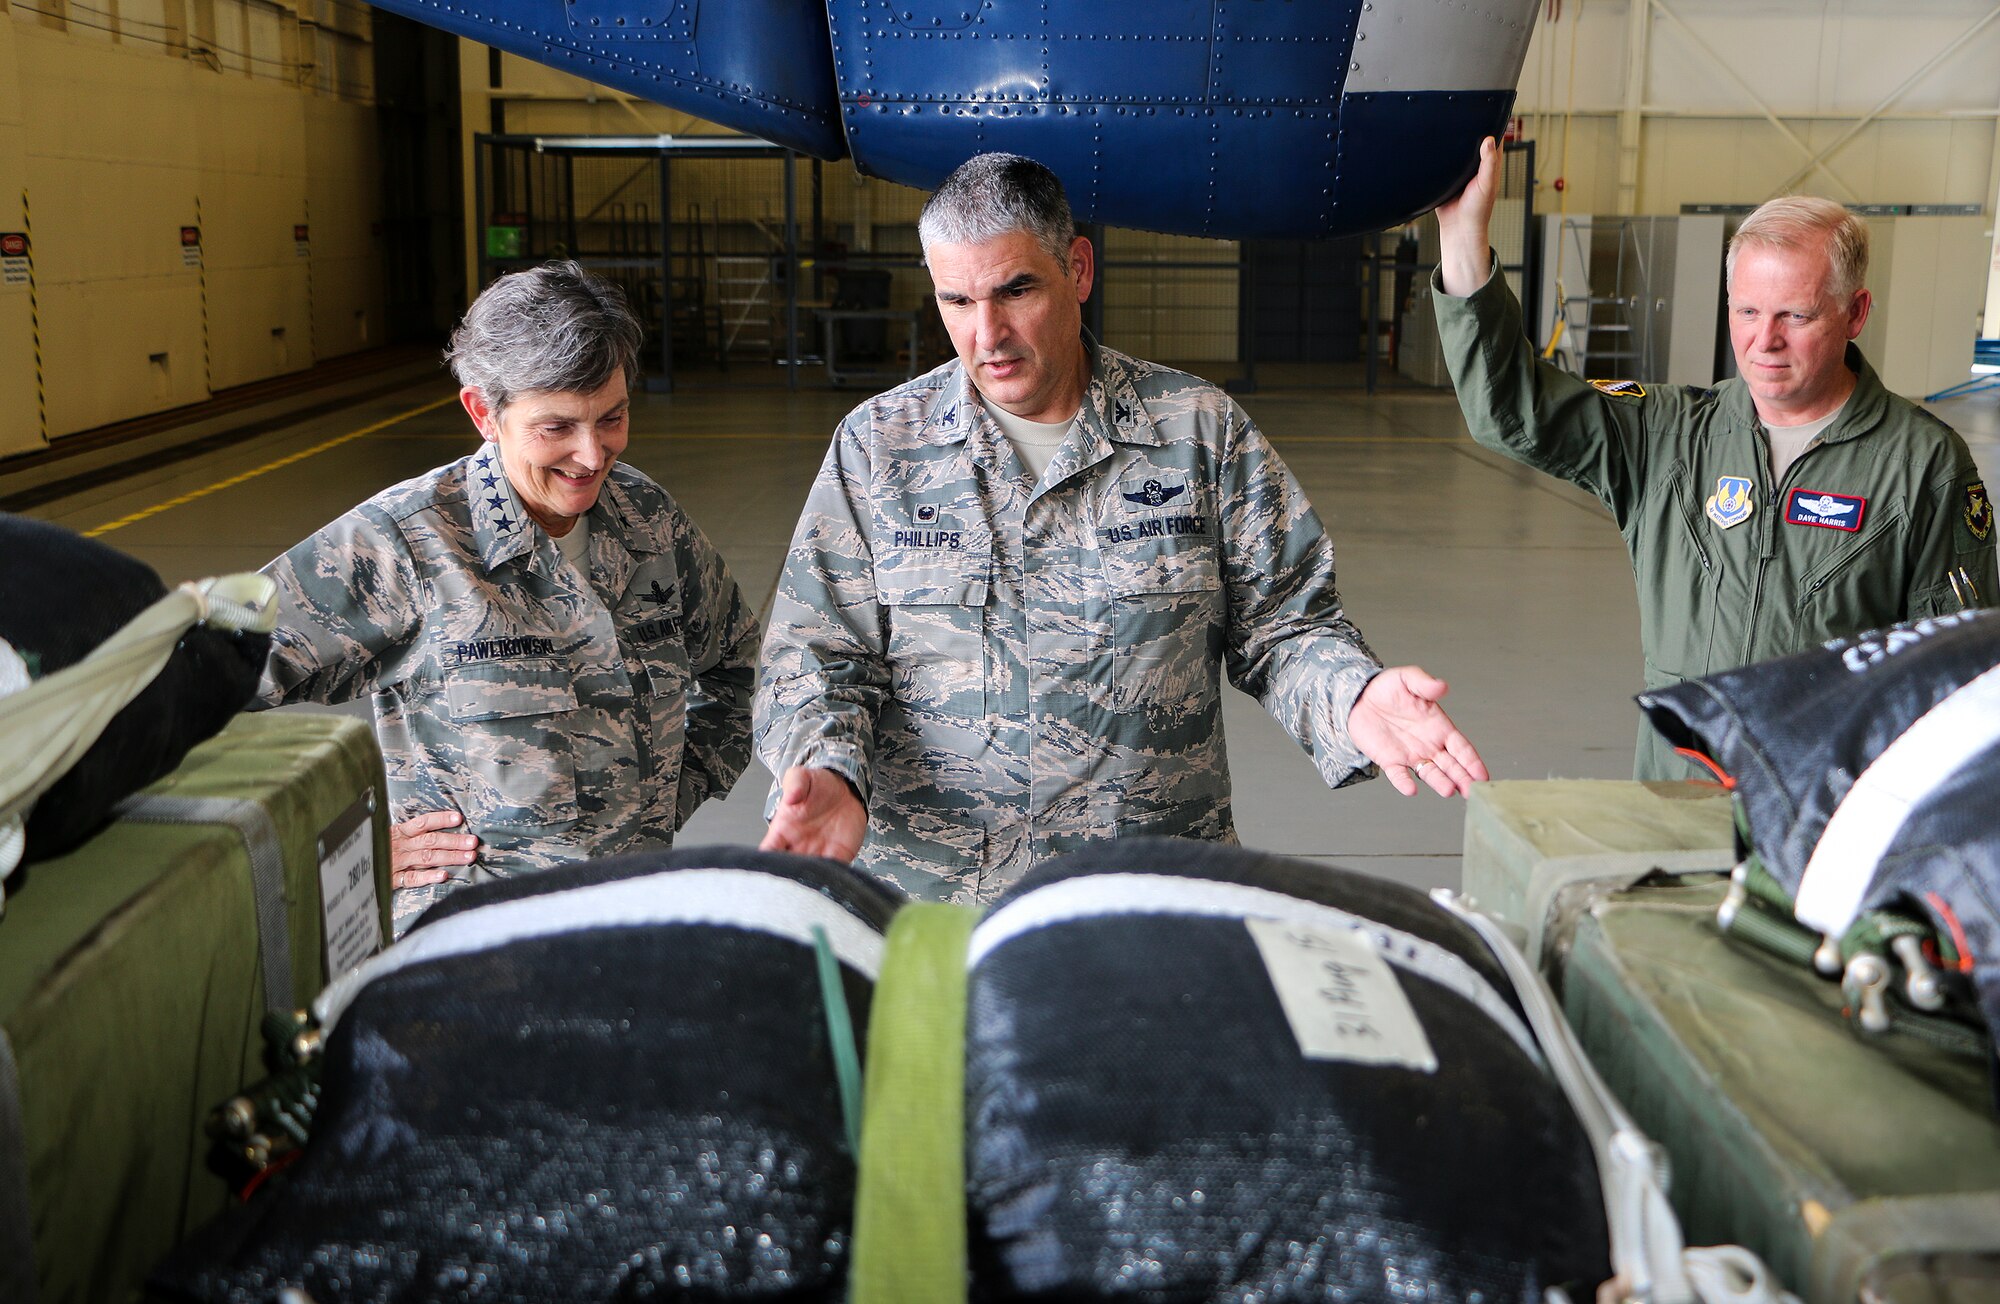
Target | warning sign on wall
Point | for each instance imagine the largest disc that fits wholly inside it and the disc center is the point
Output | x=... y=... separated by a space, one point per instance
x=13 y=258
x=301 y=244
x=190 y=246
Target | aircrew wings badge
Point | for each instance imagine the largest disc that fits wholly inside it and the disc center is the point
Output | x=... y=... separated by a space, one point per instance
x=1620 y=388
x=1978 y=511
x=1730 y=504
x=1154 y=494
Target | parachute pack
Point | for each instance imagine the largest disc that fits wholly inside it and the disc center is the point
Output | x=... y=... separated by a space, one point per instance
x=107 y=679
x=1158 y=1070
x=1864 y=775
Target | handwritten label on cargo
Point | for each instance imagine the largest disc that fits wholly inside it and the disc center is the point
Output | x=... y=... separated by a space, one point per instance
x=347 y=887
x=1343 y=1000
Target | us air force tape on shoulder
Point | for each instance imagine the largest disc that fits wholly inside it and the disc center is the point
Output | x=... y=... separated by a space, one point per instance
x=1619 y=388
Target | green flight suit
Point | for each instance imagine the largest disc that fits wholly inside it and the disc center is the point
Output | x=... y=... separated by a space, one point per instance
x=1869 y=527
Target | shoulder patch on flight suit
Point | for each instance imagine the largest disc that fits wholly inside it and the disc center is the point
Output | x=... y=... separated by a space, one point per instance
x=1978 y=511
x=1619 y=388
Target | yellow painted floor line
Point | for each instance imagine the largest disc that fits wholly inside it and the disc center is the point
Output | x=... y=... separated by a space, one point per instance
x=234 y=480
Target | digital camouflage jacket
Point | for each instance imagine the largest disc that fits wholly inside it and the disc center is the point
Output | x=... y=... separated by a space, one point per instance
x=564 y=719
x=1006 y=670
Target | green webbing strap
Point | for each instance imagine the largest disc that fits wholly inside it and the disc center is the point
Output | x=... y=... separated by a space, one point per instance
x=840 y=1037
x=909 y=1208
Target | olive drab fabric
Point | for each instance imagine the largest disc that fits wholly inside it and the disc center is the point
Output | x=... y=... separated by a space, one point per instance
x=564 y=718
x=1884 y=520
x=1006 y=670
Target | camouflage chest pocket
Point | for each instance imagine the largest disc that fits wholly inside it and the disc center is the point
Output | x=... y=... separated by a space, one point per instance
x=513 y=722
x=1166 y=615
x=936 y=617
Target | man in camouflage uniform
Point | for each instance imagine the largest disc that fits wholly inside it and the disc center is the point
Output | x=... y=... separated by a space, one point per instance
x=1796 y=503
x=559 y=659
x=1002 y=626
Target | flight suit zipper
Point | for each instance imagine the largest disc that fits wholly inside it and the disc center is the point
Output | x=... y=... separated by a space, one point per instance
x=1766 y=549
x=1768 y=546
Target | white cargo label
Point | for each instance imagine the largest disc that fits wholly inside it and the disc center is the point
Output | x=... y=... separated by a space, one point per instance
x=1342 y=998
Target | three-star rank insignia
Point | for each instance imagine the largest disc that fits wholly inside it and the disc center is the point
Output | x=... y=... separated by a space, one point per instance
x=1730 y=504
x=1978 y=511
x=1619 y=388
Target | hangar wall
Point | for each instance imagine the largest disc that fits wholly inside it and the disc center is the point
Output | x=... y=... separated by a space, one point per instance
x=1645 y=105
x=243 y=120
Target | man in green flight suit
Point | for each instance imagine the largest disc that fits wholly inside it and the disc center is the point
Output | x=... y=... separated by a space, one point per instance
x=1798 y=502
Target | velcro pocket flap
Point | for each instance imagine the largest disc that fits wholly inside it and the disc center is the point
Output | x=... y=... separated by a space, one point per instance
x=930 y=586
x=497 y=690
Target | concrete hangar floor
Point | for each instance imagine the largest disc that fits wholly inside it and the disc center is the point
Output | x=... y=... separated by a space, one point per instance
x=1511 y=586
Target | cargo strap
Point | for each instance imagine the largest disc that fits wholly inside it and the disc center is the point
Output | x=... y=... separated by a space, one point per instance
x=267 y=874
x=909 y=1208
x=1652 y=1261
x=17 y=1236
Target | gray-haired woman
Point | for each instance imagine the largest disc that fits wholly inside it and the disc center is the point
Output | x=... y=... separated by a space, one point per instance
x=560 y=663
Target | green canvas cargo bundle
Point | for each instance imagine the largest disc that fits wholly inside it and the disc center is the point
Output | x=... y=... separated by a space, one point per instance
x=1858 y=1168
x=134 y=974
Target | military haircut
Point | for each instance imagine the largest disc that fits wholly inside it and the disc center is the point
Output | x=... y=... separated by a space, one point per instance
x=993 y=195
x=1800 y=222
x=553 y=328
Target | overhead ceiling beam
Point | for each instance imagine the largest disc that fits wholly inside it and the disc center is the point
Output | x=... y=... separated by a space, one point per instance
x=1631 y=119
x=1818 y=159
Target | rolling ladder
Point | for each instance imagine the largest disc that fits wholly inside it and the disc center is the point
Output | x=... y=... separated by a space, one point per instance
x=747 y=294
x=1603 y=336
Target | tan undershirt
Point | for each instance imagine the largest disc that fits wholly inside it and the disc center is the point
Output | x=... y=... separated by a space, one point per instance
x=1035 y=442
x=575 y=546
x=1789 y=442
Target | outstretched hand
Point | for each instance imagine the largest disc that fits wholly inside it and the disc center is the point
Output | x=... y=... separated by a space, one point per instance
x=1464 y=223
x=817 y=815
x=1398 y=724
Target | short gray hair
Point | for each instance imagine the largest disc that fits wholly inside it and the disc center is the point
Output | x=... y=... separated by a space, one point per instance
x=992 y=195
x=554 y=327
x=1800 y=222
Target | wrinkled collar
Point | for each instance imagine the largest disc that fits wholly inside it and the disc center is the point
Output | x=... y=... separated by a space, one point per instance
x=1862 y=412
x=500 y=525
x=1111 y=413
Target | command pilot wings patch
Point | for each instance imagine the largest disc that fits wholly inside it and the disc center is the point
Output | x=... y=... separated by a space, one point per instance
x=1155 y=494
x=1829 y=511
x=1620 y=388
